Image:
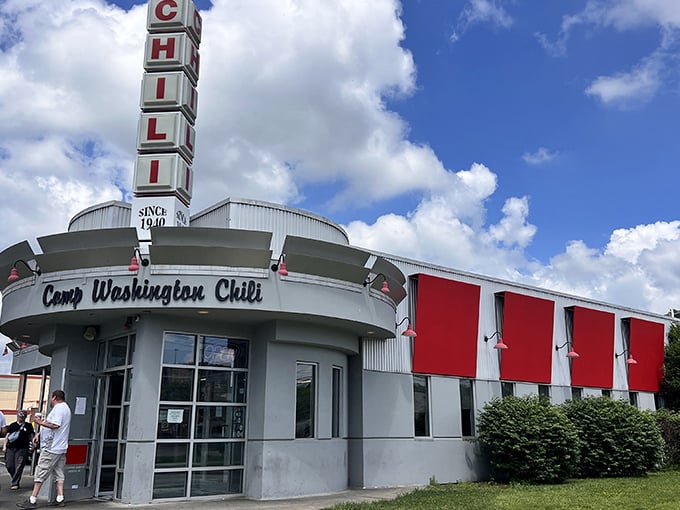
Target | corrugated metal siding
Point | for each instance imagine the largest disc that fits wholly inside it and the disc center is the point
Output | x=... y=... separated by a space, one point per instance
x=217 y=217
x=390 y=355
x=112 y=214
x=278 y=219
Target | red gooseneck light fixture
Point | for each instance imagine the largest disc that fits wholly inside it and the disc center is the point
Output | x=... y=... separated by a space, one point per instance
x=499 y=344
x=572 y=353
x=630 y=360
x=409 y=331
x=134 y=262
x=14 y=274
x=280 y=266
x=385 y=289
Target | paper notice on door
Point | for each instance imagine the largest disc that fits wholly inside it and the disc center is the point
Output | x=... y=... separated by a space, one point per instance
x=81 y=404
x=175 y=415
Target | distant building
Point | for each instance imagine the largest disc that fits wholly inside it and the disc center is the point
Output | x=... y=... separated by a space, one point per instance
x=23 y=391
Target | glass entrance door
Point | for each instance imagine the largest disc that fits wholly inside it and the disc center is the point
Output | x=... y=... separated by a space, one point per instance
x=201 y=428
x=115 y=359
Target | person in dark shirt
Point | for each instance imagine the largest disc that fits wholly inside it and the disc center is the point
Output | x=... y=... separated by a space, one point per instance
x=16 y=451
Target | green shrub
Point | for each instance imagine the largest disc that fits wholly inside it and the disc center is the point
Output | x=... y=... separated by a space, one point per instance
x=617 y=439
x=528 y=440
x=669 y=425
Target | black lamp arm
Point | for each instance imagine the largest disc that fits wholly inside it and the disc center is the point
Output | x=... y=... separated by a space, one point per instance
x=369 y=281
x=142 y=260
x=275 y=266
x=407 y=318
x=34 y=271
x=489 y=337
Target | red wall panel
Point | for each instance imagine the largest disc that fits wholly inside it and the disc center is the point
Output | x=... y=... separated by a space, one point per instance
x=593 y=337
x=647 y=347
x=528 y=333
x=76 y=454
x=447 y=322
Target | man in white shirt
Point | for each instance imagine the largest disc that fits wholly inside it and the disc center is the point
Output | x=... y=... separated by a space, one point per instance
x=53 y=445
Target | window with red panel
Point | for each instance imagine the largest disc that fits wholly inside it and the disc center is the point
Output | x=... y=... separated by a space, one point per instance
x=528 y=333
x=447 y=322
x=647 y=347
x=593 y=339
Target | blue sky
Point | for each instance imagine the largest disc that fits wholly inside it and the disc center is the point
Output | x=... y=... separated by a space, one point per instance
x=530 y=141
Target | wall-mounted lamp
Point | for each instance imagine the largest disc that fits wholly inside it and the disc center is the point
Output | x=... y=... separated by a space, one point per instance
x=572 y=353
x=280 y=266
x=499 y=344
x=630 y=360
x=385 y=289
x=90 y=333
x=14 y=274
x=409 y=331
x=134 y=264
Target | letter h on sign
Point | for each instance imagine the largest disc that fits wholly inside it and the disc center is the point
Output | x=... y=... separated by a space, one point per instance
x=172 y=52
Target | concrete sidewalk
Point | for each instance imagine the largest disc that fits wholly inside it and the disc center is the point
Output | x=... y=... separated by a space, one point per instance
x=9 y=499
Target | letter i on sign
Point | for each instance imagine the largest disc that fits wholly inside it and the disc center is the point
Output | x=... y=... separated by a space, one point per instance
x=153 y=171
x=160 y=88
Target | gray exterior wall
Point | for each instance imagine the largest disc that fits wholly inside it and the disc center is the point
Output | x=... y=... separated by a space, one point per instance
x=279 y=465
x=383 y=449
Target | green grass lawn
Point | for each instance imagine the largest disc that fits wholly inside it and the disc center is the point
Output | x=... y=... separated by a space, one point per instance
x=657 y=491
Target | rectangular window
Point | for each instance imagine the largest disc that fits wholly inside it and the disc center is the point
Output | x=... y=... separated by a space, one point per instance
x=633 y=398
x=179 y=349
x=544 y=391
x=421 y=406
x=507 y=389
x=305 y=400
x=607 y=393
x=467 y=407
x=576 y=393
x=337 y=402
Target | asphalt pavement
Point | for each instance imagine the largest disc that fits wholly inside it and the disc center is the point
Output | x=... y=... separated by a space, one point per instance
x=9 y=499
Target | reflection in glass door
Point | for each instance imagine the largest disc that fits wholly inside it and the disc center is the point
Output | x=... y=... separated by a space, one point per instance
x=110 y=433
x=200 y=450
x=115 y=358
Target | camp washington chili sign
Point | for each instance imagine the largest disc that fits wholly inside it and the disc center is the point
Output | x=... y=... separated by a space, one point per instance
x=105 y=290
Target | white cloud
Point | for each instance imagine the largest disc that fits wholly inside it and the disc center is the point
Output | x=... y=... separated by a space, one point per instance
x=633 y=87
x=639 y=267
x=641 y=83
x=540 y=156
x=513 y=228
x=481 y=11
x=629 y=244
x=448 y=228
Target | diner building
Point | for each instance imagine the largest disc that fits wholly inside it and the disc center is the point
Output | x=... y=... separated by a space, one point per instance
x=255 y=353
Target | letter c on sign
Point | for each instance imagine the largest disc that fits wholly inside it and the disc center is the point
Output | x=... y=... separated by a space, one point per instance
x=170 y=13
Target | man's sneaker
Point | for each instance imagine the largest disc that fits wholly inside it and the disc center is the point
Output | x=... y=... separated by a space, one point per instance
x=27 y=504
x=14 y=487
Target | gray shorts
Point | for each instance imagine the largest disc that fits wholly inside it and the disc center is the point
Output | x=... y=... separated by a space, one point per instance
x=50 y=463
